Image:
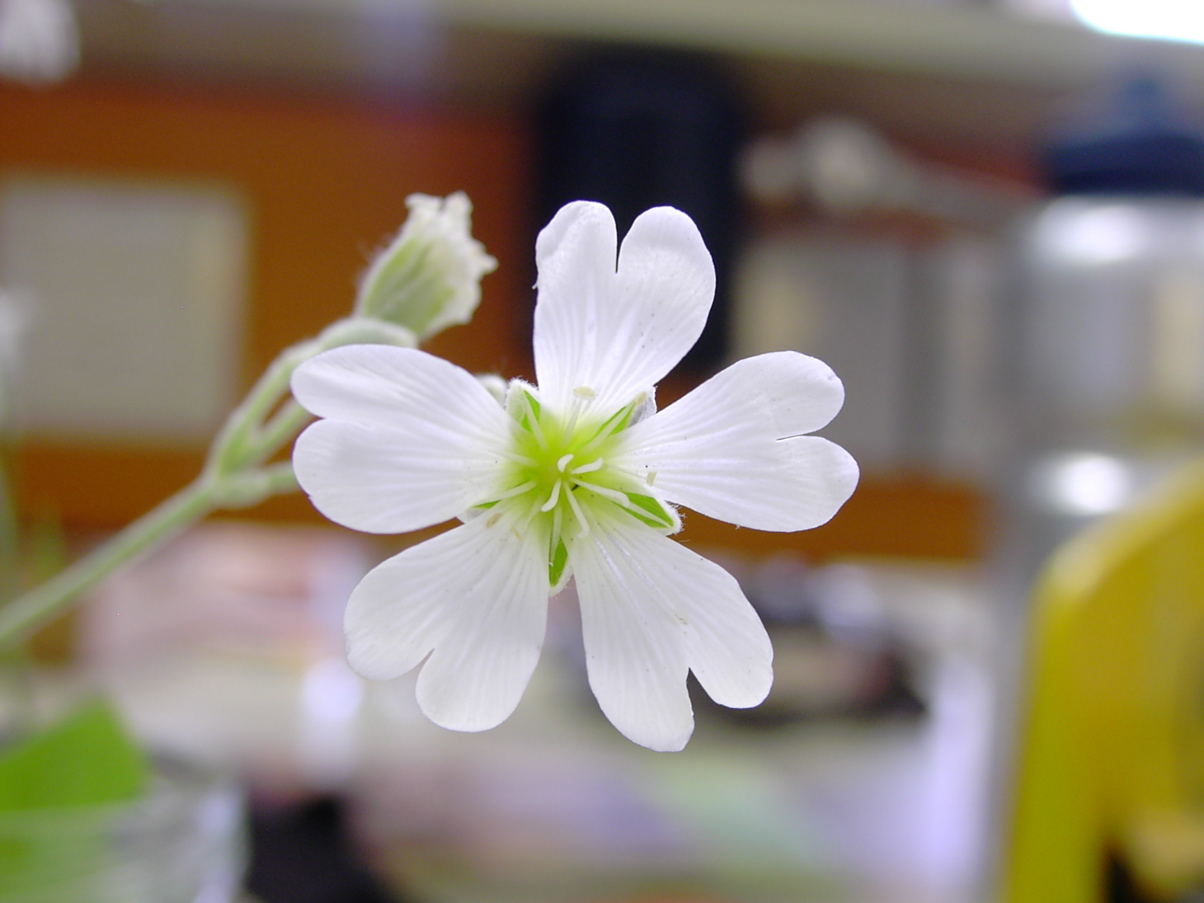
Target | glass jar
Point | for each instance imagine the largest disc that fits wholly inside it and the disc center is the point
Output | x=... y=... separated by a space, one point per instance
x=183 y=842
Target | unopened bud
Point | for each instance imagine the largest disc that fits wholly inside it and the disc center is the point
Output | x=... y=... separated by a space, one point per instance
x=429 y=276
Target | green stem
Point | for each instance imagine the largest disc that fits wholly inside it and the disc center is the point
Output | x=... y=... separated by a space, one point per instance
x=281 y=429
x=24 y=615
x=242 y=490
x=233 y=449
x=235 y=475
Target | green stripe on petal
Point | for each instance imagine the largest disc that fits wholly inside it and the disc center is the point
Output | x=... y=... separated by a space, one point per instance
x=557 y=561
x=652 y=512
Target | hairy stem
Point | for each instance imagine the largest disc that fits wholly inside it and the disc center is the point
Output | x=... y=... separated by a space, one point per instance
x=237 y=473
x=25 y=614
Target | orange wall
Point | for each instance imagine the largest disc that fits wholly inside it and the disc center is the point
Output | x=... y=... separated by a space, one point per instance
x=326 y=179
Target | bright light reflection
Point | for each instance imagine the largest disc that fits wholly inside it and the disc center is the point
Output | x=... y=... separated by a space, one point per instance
x=330 y=700
x=1175 y=20
x=1095 y=236
x=1084 y=484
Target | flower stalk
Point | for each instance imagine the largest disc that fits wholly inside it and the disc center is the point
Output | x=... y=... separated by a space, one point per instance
x=238 y=473
x=26 y=614
x=239 y=470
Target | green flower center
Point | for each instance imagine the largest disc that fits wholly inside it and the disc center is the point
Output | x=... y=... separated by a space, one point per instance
x=558 y=471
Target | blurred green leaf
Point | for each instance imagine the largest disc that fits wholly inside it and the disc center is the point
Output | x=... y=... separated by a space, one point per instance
x=86 y=759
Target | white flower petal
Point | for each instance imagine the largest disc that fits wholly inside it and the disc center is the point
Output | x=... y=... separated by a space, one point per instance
x=617 y=332
x=729 y=649
x=575 y=259
x=409 y=440
x=667 y=286
x=374 y=383
x=650 y=609
x=726 y=449
x=477 y=595
x=635 y=647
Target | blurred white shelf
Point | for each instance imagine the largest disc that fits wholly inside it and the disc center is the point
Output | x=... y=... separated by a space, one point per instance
x=953 y=72
x=973 y=40
x=960 y=40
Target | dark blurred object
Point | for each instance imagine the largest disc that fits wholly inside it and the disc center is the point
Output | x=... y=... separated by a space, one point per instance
x=301 y=853
x=1140 y=144
x=838 y=654
x=1121 y=888
x=819 y=677
x=639 y=129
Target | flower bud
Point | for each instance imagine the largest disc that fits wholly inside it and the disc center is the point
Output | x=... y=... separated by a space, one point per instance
x=429 y=276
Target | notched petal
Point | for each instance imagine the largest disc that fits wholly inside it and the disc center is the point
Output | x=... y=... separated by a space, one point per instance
x=408 y=440
x=652 y=609
x=473 y=599
x=617 y=326
x=732 y=449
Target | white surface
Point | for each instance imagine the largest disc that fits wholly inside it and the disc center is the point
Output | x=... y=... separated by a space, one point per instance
x=138 y=292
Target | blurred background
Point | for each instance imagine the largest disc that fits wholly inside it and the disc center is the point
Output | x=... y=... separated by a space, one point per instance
x=985 y=215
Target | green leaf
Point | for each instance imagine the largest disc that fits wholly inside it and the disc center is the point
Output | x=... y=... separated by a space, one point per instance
x=56 y=788
x=86 y=759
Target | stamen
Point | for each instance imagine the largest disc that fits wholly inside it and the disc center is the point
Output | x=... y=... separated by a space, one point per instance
x=564 y=462
x=650 y=478
x=536 y=429
x=517 y=490
x=553 y=498
x=522 y=437
x=588 y=468
x=493 y=519
x=607 y=430
x=576 y=506
x=580 y=400
x=614 y=495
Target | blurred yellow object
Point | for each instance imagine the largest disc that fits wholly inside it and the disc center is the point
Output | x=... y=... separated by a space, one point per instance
x=1111 y=763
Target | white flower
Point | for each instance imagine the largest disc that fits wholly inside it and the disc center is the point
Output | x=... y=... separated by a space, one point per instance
x=576 y=477
x=429 y=276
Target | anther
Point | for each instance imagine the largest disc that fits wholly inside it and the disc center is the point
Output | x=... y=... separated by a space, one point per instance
x=580 y=515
